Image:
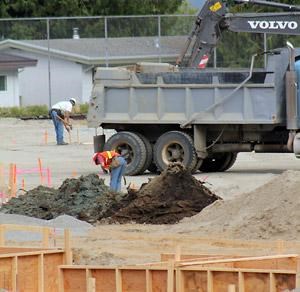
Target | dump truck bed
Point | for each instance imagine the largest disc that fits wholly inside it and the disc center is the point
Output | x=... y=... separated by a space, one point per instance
x=212 y=96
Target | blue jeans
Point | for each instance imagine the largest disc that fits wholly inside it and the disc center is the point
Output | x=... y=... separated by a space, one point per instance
x=116 y=175
x=58 y=126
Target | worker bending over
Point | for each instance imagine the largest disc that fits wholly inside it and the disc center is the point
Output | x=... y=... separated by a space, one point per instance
x=60 y=115
x=115 y=163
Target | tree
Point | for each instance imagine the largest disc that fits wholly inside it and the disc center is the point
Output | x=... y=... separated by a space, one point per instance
x=45 y=8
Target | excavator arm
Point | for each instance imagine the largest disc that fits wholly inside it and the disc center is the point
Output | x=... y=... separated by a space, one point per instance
x=214 y=18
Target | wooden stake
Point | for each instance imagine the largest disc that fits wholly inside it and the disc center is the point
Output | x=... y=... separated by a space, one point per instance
x=231 y=288
x=298 y=273
x=2 y=235
x=178 y=253
x=68 y=251
x=170 y=280
x=46 y=232
x=41 y=170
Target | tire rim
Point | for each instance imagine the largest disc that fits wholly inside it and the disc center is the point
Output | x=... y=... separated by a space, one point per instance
x=172 y=152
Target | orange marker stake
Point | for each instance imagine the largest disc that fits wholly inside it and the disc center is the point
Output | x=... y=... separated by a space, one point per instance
x=40 y=171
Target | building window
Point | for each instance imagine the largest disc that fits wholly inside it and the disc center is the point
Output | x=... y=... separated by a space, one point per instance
x=3 y=83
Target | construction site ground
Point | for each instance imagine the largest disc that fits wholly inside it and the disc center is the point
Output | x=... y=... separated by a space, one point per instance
x=260 y=201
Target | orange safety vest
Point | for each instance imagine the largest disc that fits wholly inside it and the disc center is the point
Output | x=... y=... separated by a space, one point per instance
x=107 y=157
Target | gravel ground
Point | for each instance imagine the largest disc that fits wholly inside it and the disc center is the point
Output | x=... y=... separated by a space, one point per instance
x=23 y=142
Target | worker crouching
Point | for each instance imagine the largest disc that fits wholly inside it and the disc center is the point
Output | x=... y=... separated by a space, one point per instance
x=113 y=162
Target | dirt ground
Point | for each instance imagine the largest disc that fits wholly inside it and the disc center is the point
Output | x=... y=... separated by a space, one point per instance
x=253 y=178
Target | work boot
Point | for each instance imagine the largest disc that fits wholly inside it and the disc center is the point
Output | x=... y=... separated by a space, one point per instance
x=62 y=143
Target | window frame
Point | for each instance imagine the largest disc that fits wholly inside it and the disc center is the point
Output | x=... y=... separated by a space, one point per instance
x=4 y=77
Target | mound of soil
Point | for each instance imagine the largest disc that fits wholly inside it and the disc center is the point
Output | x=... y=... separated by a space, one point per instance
x=168 y=198
x=269 y=212
x=85 y=198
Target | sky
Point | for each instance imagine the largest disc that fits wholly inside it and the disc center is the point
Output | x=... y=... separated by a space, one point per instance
x=197 y=3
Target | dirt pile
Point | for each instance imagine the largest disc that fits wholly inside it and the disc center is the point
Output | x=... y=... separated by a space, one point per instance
x=166 y=199
x=85 y=198
x=269 y=212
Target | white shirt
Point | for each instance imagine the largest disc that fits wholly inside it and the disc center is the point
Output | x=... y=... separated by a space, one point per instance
x=64 y=106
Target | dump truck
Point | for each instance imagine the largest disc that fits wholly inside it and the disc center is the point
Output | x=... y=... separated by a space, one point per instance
x=203 y=117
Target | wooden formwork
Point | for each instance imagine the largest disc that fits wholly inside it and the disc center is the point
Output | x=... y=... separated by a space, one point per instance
x=27 y=269
x=259 y=274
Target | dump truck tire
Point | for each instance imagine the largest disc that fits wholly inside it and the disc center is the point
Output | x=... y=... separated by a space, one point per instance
x=153 y=168
x=231 y=162
x=175 y=146
x=149 y=152
x=218 y=162
x=137 y=153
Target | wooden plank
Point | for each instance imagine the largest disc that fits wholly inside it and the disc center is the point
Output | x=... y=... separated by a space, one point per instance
x=194 y=280
x=238 y=262
x=74 y=280
x=170 y=280
x=46 y=232
x=284 y=282
x=51 y=264
x=298 y=273
x=179 y=281
x=14 y=274
x=61 y=283
x=118 y=280
x=210 y=281
x=41 y=279
x=148 y=281
x=68 y=250
x=2 y=235
x=105 y=279
x=6 y=270
x=221 y=280
x=258 y=282
x=27 y=273
x=231 y=288
x=91 y=285
x=133 y=281
x=241 y=282
x=159 y=280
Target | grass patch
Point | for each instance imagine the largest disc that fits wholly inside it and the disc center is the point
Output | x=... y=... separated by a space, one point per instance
x=35 y=111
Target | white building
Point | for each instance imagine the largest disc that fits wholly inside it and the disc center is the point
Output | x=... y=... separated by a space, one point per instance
x=10 y=67
x=65 y=67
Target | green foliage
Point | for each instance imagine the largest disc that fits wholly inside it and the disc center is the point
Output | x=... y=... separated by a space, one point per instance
x=35 y=111
x=83 y=108
x=43 y=8
x=28 y=111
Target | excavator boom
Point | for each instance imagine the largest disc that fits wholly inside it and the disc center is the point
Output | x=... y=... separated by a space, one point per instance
x=214 y=18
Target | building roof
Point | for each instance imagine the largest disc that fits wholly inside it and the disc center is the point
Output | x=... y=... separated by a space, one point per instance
x=98 y=51
x=14 y=62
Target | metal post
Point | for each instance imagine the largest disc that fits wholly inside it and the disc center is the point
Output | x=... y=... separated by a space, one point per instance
x=265 y=49
x=215 y=57
x=106 y=42
x=49 y=63
x=159 y=38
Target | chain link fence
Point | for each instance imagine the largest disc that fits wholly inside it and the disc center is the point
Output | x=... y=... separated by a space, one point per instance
x=120 y=40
